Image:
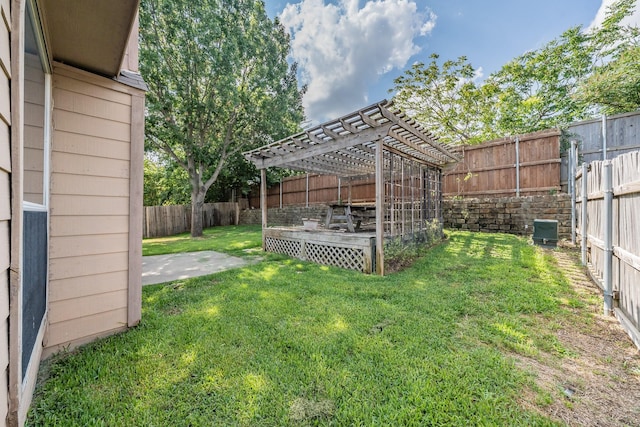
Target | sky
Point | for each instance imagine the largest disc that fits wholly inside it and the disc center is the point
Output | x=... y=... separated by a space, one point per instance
x=350 y=51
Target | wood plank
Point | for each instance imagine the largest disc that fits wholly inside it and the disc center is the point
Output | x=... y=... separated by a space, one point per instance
x=5 y=196
x=74 y=143
x=95 y=225
x=4 y=245
x=91 y=106
x=88 y=205
x=62 y=247
x=4 y=342
x=77 y=164
x=63 y=183
x=367 y=135
x=67 y=80
x=77 y=287
x=77 y=308
x=76 y=329
x=83 y=266
x=4 y=297
x=5 y=102
x=93 y=126
x=5 y=153
x=5 y=45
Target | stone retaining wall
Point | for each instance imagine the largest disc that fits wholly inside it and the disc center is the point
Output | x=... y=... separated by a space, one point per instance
x=513 y=215
x=288 y=216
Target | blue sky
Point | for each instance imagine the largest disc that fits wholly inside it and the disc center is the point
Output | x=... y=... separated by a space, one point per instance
x=349 y=51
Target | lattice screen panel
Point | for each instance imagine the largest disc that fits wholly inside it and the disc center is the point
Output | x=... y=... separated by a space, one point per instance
x=350 y=258
x=283 y=246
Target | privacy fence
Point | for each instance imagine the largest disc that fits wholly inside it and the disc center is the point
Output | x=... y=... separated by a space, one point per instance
x=159 y=221
x=520 y=166
x=607 y=206
x=620 y=134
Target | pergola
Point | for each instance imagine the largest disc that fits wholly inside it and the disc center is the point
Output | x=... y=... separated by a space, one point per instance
x=377 y=140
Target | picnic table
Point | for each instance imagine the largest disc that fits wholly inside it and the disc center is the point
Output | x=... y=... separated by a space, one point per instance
x=350 y=215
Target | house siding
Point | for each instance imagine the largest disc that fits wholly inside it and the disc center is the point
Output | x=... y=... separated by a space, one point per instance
x=90 y=208
x=5 y=198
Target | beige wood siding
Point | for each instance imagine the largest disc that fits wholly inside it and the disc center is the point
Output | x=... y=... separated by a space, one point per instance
x=89 y=205
x=5 y=198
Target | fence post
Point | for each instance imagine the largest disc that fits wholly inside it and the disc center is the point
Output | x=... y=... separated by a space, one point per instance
x=585 y=200
x=280 y=193
x=608 y=231
x=572 y=188
x=307 y=193
x=517 y=166
x=604 y=137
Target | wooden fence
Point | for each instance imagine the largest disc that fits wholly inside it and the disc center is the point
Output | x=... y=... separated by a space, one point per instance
x=607 y=207
x=622 y=136
x=307 y=190
x=159 y=221
x=521 y=166
x=526 y=166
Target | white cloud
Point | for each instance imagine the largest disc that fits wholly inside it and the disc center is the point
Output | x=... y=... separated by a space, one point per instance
x=343 y=48
x=634 y=19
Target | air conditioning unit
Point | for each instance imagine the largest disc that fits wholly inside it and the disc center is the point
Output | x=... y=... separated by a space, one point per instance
x=545 y=232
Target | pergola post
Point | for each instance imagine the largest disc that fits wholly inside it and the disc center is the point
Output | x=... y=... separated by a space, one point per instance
x=380 y=207
x=263 y=203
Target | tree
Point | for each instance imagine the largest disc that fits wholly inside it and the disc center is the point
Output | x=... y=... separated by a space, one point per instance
x=559 y=83
x=219 y=83
x=615 y=86
x=535 y=90
x=446 y=99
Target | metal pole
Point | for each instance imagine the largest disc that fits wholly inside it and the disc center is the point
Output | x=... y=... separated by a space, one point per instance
x=583 y=225
x=604 y=137
x=608 y=232
x=517 y=166
x=572 y=189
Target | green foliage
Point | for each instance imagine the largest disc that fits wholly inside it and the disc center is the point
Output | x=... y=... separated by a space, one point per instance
x=616 y=85
x=446 y=99
x=219 y=83
x=566 y=80
x=535 y=89
x=165 y=183
x=285 y=342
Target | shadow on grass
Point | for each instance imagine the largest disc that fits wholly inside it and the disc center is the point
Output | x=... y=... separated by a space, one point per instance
x=286 y=342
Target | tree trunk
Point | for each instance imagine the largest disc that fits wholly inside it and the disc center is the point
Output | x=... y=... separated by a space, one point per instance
x=197 y=203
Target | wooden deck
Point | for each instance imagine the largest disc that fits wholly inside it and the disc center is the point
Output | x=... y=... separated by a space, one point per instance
x=354 y=251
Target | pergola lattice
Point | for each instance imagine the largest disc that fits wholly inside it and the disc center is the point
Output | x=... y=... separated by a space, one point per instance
x=355 y=146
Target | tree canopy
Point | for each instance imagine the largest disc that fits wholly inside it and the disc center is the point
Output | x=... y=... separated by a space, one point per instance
x=219 y=83
x=573 y=77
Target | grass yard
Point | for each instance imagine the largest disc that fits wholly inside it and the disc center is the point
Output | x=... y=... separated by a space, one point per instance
x=238 y=240
x=285 y=342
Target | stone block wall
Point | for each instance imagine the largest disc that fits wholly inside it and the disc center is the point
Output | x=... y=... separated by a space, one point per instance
x=513 y=215
x=287 y=216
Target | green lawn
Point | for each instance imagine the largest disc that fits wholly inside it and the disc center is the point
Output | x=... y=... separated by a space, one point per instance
x=238 y=240
x=285 y=342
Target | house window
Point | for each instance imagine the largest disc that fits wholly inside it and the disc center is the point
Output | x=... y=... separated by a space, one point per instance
x=37 y=119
